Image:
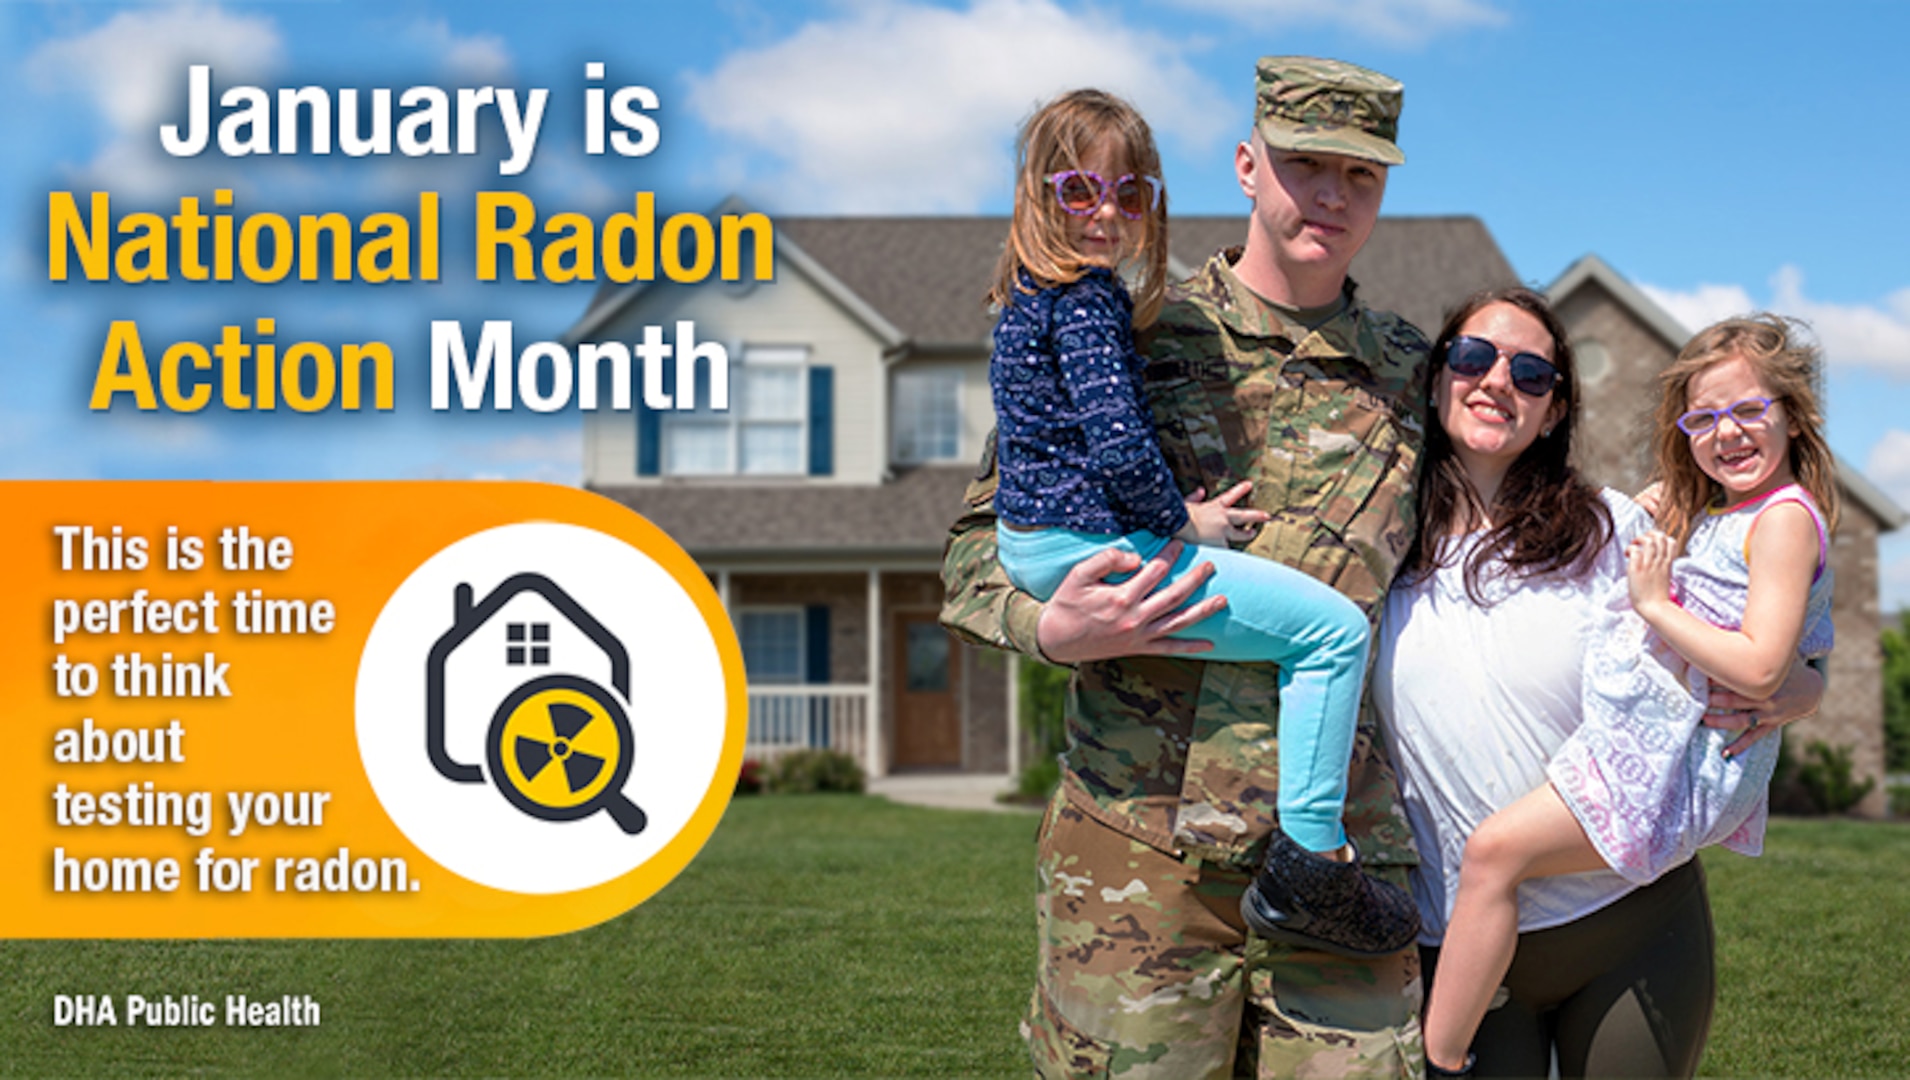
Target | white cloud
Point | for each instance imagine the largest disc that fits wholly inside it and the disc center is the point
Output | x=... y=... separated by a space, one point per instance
x=1874 y=336
x=1702 y=306
x=475 y=60
x=1888 y=466
x=903 y=106
x=133 y=69
x=1399 y=22
x=1893 y=585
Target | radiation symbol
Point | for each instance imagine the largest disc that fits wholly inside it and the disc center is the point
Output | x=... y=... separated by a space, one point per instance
x=559 y=749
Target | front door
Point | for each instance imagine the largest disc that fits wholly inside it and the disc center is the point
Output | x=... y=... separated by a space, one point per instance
x=924 y=670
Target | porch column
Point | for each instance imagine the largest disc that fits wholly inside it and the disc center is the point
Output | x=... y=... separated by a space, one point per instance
x=877 y=758
x=723 y=589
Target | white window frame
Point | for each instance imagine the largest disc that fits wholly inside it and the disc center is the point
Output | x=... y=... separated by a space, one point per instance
x=904 y=447
x=799 y=616
x=735 y=421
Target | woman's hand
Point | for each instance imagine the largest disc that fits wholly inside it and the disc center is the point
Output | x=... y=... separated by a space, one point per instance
x=1216 y=522
x=1648 y=572
x=1798 y=697
x=1089 y=618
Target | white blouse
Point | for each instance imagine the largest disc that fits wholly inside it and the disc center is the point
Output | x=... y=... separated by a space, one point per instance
x=1475 y=699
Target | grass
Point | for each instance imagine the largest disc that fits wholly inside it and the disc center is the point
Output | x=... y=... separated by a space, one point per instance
x=822 y=936
x=1813 y=952
x=815 y=936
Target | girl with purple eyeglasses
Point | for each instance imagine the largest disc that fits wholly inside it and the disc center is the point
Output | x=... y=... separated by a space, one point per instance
x=1732 y=590
x=1081 y=471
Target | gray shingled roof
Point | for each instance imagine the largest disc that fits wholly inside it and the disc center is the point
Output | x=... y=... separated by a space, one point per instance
x=927 y=276
x=907 y=516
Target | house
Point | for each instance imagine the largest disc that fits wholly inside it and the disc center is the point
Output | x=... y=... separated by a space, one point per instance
x=819 y=502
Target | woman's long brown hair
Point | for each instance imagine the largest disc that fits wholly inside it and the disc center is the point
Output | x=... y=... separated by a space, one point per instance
x=1549 y=518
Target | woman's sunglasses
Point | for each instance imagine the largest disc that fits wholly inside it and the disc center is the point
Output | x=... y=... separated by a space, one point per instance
x=1081 y=192
x=1532 y=375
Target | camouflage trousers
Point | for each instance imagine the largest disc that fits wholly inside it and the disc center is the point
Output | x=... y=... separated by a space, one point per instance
x=1148 y=971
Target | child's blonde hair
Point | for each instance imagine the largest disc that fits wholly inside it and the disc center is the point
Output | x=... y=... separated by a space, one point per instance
x=1787 y=368
x=1055 y=139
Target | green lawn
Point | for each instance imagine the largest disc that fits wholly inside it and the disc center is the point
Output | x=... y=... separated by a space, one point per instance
x=845 y=936
x=814 y=936
x=1813 y=953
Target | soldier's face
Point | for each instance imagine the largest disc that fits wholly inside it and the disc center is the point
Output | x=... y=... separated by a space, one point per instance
x=1315 y=210
x=1490 y=421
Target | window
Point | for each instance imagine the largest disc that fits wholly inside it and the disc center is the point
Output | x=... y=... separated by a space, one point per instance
x=516 y=652
x=764 y=431
x=928 y=416
x=772 y=640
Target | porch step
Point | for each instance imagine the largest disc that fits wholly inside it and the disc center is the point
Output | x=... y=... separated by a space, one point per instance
x=947 y=790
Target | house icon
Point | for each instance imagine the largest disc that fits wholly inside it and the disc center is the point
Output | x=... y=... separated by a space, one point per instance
x=532 y=661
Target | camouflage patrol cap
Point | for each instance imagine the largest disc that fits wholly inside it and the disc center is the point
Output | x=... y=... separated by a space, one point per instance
x=1306 y=103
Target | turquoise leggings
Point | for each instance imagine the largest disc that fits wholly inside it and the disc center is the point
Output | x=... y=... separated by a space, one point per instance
x=1274 y=614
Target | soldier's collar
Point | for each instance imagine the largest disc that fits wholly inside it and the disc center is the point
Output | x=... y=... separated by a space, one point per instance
x=1246 y=312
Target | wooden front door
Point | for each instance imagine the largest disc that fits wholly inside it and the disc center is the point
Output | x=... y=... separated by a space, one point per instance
x=924 y=670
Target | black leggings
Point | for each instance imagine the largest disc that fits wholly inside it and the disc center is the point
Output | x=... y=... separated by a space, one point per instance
x=1624 y=991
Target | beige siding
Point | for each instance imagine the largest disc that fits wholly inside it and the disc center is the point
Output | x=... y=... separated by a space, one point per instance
x=978 y=410
x=789 y=311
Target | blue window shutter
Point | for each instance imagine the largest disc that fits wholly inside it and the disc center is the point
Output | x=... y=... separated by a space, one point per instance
x=816 y=643
x=649 y=442
x=822 y=428
x=650 y=429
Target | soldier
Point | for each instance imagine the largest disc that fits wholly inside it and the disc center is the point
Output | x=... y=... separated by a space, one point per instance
x=1264 y=367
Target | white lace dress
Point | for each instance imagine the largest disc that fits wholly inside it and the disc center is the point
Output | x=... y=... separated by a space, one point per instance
x=1646 y=779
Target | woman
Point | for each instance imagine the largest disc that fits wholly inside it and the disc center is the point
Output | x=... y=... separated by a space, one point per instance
x=1477 y=684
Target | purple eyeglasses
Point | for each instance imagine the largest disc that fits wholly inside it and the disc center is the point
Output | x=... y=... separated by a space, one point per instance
x=1081 y=192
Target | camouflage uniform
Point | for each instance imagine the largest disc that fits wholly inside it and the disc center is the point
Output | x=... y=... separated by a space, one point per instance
x=1168 y=788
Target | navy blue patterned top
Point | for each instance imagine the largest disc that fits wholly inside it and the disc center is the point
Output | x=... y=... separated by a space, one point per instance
x=1075 y=440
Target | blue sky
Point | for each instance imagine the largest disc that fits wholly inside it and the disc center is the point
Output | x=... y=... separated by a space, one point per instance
x=1724 y=157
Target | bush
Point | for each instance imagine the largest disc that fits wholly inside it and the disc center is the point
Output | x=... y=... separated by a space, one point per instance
x=1900 y=800
x=802 y=772
x=1826 y=777
x=750 y=780
x=1896 y=694
x=1044 y=691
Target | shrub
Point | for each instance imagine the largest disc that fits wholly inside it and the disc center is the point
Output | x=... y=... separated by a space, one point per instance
x=1900 y=800
x=801 y=772
x=1826 y=777
x=1043 y=691
x=750 y=780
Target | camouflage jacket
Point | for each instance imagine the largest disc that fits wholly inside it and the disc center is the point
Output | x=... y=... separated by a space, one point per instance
x=1328 y=425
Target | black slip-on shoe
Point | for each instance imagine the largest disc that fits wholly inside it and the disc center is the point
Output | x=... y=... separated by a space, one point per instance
x=1306 y=899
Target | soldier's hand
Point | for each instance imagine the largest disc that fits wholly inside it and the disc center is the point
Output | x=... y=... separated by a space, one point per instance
x=1089 y=618
x=1802 y=692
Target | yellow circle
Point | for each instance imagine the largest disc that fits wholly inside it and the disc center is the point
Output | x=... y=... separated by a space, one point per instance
x=541 y=764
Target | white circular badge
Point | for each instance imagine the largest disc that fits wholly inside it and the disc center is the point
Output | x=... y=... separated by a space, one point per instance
x=541 y=708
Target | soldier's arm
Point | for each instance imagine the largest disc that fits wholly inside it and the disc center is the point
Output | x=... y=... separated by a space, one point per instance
x=1087 y=618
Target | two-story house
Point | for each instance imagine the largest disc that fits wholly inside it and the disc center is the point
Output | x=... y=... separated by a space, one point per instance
x=859 y=404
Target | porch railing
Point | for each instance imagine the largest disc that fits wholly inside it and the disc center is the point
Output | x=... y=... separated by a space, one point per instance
x=785 y=718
